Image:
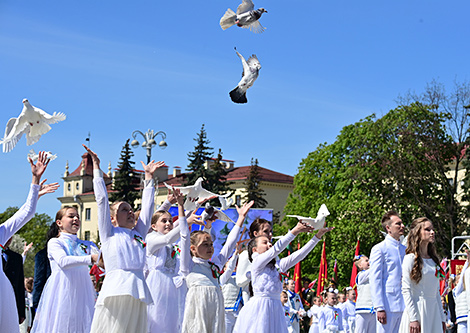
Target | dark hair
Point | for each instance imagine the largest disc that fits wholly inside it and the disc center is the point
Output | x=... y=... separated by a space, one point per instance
x=414 y=242
x=257 y=225
x=53 y=231
x=386 y=219
x=252 y=244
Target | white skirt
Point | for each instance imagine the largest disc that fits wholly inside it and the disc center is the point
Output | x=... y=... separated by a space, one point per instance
x=261 y=315
x=9 y=321
x=204 y=310
x=67 y=302
x=429 y=316
x=166 y=312
x=120 y=314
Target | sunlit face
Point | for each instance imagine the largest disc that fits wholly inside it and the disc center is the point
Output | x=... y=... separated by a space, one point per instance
x=352 y=295
x=395 y=228
x=266 y=230
x=205 y=248
x=70 y=222
x=364 y=263
x=317 y=301
x=427 y=232
x=124 y=217
x=164 y=224
x=262 y=245
x=341 y=298
x=331 y=299
x=291 y=285
x=283 y=298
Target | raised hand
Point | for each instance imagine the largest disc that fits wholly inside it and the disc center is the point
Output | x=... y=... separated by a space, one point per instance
x=38 y=169
x=170 y=197
x=94 y=157
x=243 y=210
x=195 y=219
x=47 y=188
x=178 y=196
x=151 y=168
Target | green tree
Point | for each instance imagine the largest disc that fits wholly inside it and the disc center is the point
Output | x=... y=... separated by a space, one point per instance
x=253 y=191
x=34 y=231
x=197 y=159
x=397 y=162
x=125 y=180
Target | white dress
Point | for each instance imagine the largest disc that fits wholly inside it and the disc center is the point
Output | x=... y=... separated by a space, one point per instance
x=163 y=262
x=422 y=300
x=8 y=313
x=204 y=309
x=68 y=289
x=264 y=312
x=122 y=303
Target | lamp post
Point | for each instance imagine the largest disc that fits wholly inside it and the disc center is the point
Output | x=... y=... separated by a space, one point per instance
x=149 y=141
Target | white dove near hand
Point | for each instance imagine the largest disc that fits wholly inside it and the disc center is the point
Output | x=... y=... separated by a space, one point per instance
x=250 y=73
x=210 y=212
x=225 y=201
x=34 y=157
x=33 y=122
x=316 y=223
x=193 y=194
x=246 y=17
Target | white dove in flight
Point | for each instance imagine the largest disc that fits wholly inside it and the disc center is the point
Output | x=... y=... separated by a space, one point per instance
x=33 y=122
x=210 y=212
x=318 y=222
x=250 y=73
x=246 y=17
x=225 y=201
x=34 y=157
x=194 y=193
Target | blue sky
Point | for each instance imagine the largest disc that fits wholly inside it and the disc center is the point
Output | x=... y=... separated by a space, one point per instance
x=116 y=66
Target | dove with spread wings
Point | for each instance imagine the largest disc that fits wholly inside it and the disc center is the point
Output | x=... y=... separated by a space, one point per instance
x=33 y=122
x=250 y=73
x=246 y=17
x=316 y=223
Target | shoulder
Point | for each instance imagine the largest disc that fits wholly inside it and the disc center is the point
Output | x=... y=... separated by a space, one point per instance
x=378 y=247
x=13 y=255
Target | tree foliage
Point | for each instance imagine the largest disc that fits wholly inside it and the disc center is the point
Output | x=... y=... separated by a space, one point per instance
x=34 y=231
x=125 y=180
x=252 y=187
x=399 y=161
x=197 y=159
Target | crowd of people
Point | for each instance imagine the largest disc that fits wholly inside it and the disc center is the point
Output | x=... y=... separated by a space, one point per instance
x=160 y=277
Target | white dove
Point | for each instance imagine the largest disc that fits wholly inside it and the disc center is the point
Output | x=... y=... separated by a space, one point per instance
x=33 y=122
x=210 y=212
x=246 y=17
x=318 y=222
x=34 y=157
x=250 y=73
x=225 y=201
x=193 y=193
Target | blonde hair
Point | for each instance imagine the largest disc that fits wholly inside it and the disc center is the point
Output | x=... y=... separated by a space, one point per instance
x=159 y=213
x=195 y=236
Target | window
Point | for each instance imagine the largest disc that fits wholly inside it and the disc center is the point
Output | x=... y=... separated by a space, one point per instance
x=87 y=214
x=238 y=200
x=87 y=235
x=77 y=186
x=69 y=187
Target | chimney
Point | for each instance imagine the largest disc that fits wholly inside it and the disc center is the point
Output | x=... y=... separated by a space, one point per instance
x=176 y=171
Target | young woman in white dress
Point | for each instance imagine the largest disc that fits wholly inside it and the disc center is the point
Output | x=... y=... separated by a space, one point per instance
x=204 y=309
x=68 y=299
x=163 y=263
x=420 y=282
x=9 y=321
x=122 y=303
x=264 y=312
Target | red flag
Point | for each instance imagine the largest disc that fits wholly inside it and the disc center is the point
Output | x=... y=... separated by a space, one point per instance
x=352 y=282
x=323 y=274
x=443 y=281
x=297 y=276
x=335 y=271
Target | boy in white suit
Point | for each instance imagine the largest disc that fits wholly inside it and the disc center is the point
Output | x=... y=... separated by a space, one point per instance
x=385 y=275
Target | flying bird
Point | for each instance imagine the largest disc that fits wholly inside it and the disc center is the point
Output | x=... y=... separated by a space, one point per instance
x=33 y=122
x=246 y=17
x=250 y=73
x=225 y=201
x=211 y=213
x=318 y=222
x=194 y=193
x=34 y=157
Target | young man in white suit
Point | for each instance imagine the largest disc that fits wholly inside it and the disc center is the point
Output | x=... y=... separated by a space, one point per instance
x=385 y=275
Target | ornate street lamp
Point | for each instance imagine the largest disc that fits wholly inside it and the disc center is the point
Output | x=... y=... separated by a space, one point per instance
x=149 y=141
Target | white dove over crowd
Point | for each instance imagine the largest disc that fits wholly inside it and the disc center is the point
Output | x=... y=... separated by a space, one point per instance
x=246 y=17
x=33 y=122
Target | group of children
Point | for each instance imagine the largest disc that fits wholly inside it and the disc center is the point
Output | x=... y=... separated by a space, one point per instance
x=153 y=283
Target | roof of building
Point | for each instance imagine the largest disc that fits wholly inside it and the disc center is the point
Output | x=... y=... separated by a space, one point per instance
x=239 y=173
x=86 y=157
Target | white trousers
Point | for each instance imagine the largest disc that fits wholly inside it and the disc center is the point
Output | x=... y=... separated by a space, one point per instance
x=366 y=323
x=392 y=325
x=230 y=319
x=462 y=327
